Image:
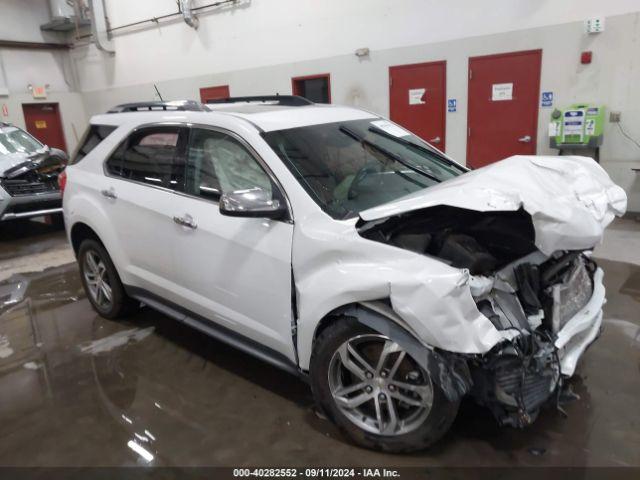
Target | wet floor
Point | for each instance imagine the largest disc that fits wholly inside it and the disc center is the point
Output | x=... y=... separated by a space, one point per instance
x=76 y=389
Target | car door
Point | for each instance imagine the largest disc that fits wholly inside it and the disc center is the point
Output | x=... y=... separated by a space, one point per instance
x=235 y=271
x=139 y=196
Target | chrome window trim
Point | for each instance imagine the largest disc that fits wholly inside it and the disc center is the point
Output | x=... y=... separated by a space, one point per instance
x=190 y=126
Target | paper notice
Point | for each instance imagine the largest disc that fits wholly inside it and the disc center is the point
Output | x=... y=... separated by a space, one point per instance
x=390 y=128
x=416 y=96
x=502 y=91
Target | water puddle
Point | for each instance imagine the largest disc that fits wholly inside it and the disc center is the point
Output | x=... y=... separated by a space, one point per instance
x=116 y=340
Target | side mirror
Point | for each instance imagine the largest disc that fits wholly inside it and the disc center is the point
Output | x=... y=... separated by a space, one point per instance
x=253 y=202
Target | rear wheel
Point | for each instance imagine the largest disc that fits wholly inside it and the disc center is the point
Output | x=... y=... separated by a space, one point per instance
x=102 y=283
x=375 y=391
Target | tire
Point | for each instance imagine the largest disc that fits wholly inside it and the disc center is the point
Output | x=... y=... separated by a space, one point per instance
x=419 y=429
x=120 y=304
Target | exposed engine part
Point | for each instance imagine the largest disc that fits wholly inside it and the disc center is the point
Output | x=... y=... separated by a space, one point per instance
x=515 y=380
x=528 y=280
x=504 y=311
x=463 y=251
x=479 y=241
x=518 y=300
x=480 y=286
x=416 y=242
x=572 y=292
x=554 y=269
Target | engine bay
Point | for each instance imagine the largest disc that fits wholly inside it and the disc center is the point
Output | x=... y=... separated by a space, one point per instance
x=514 y=285
x=479 y=241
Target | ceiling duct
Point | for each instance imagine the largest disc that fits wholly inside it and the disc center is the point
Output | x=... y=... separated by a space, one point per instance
x=99 y=27
x=67 y=15
x=187 y=12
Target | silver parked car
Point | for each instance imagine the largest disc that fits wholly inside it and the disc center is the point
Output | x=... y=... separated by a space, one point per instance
x=28 y=175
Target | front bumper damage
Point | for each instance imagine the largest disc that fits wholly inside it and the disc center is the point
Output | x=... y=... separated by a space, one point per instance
x=481 y=273
x=516 y=378
x=519 y=375
x=30 y=189
x=14 y=207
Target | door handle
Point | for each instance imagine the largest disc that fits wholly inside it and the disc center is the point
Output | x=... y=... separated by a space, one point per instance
x=435 y=140
x=525 y=139
x=111 y=193
x=186 y=221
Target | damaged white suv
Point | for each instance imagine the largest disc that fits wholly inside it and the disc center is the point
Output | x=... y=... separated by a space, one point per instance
x=336 y=245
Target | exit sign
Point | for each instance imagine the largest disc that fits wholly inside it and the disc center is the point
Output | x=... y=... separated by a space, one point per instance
x=39 y=91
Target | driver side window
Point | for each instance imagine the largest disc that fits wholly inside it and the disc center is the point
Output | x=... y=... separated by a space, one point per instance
x=217 y=163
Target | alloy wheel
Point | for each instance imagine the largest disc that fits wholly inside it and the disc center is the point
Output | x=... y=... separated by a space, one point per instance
x=97 y=279
x=378 y=386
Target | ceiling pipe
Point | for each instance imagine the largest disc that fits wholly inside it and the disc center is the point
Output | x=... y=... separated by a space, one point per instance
x=33 y=45
x=190 y=18
x=162 y=18
x=99 y=27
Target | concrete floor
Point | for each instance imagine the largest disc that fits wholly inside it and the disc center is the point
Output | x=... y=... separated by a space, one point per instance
x=77 y=390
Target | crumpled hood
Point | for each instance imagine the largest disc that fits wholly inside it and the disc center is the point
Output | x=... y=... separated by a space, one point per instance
x=571 y=199
x=11 y=160
x=15 y=164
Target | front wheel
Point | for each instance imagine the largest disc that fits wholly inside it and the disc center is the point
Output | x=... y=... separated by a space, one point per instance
x=375 y=391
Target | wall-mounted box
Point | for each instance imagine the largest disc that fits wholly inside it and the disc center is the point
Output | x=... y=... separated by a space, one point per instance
x=594 y=25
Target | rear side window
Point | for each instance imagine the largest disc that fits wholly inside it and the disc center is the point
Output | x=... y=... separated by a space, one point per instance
x=150 y=155
x=91 y=139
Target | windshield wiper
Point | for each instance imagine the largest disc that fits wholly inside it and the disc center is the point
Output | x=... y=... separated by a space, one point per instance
x=388 y=154
x=409 y=144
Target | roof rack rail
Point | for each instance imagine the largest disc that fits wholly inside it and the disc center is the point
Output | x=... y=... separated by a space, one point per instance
x=284 y=100
x=178 y=105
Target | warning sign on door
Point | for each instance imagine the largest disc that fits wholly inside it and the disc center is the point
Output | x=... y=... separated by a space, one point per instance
x=502 y=91
x=416 y=96
x=40 y=124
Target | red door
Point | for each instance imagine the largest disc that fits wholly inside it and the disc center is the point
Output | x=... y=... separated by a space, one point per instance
x=43 y=122
x=417 y=95
x=503 y=106
x=316 y=88
x=214 y=93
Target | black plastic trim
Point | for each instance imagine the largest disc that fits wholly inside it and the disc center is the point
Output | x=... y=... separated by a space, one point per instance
x=179 y=105
x=209 y=327
x=283 y=100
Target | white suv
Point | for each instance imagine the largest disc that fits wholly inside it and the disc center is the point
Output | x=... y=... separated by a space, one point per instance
x=338 y=246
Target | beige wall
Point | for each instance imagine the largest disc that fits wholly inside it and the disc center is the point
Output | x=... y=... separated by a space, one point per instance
x=610 y=80
x=20 y=20
x=256 y=49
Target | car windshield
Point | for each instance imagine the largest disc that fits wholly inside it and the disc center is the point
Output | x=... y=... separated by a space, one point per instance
x=14 y=140
x=350 y=166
